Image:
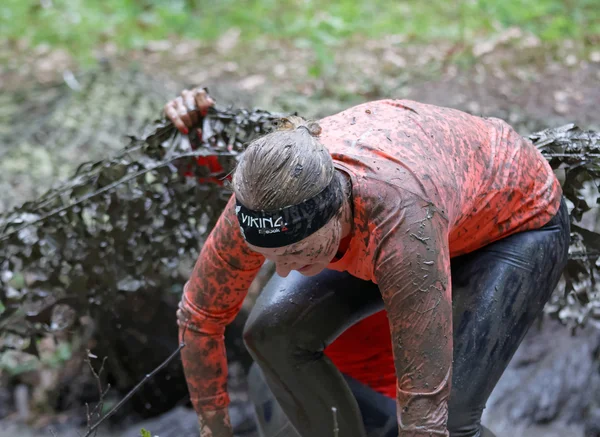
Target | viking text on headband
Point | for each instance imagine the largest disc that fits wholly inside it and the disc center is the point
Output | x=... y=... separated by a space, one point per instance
x=293 y=223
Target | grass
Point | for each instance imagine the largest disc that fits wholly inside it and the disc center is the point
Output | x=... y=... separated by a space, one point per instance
x=81 y=25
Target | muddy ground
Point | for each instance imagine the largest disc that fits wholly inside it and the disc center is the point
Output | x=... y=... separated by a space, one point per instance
x=511 y=76
x=552 y=379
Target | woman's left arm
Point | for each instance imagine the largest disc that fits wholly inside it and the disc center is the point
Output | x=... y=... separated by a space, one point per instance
x=413 y=273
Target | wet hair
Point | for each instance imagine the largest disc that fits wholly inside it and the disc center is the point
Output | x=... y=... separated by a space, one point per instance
x=284 y=167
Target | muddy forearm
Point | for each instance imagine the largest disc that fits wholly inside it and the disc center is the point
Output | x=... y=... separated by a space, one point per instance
x=422 y=338
x=204 y=362
x=215 y=423
x=204 y=372
x=414 y=279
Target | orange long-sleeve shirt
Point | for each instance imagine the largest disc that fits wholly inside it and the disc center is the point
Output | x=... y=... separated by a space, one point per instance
x=428 y=184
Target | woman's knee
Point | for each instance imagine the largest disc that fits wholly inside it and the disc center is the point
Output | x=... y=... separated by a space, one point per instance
x=263 y=333
x=270 y=322
x=275 y=340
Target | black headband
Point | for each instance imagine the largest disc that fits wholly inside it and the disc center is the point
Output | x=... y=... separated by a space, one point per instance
x=293 y=223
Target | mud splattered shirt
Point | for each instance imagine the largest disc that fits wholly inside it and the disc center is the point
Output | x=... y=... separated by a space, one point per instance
x=428 y=184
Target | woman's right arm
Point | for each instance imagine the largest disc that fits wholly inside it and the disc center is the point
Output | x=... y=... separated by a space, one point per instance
x=212 y=298
x=213 y=295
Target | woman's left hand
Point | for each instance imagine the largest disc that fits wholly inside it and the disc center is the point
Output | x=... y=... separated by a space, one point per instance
x=186 y=110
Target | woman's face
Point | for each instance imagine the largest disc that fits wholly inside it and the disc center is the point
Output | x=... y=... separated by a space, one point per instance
x=309 y=256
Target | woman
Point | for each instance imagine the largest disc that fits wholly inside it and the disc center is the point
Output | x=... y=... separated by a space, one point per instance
x=454 y=224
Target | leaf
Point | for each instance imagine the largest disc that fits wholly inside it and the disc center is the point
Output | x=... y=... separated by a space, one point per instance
x=17 y=281
x=129 y=284
x=145 y=433
x=590 y=239
x=63 y=316
x=32 y=349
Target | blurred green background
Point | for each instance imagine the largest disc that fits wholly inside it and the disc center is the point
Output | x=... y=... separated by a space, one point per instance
x=80 y=25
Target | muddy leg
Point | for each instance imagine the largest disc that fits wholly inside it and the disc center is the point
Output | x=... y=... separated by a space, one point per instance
x=498 y=292
x=294 y=319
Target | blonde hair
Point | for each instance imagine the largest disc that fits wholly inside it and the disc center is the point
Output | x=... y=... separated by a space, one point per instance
x=284 y=167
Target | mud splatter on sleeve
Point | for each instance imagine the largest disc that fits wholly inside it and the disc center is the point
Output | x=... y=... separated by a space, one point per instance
x=412 y=269
x=211 y=300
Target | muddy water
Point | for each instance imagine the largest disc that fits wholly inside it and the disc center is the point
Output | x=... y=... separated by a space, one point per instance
x=524 y=391
x=502 y=428
x=8 y=429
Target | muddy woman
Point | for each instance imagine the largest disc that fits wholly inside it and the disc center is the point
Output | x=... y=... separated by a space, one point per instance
x=453 y=225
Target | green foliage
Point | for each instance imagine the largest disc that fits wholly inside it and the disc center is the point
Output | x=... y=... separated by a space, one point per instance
x=14 y=362
x=80 y=25
x=145 y=433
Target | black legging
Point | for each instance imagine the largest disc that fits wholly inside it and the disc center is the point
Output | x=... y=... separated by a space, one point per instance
x=497 y=293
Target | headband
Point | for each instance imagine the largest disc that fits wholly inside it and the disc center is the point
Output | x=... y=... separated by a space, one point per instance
x=293 y=223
